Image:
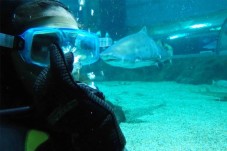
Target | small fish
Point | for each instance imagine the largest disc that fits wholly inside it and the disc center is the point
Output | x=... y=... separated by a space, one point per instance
x=135 y=51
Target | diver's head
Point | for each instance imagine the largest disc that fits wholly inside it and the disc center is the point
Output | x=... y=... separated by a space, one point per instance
x=37 y=24
x=38 y=13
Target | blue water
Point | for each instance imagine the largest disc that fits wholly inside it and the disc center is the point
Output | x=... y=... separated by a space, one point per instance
x=176 y=106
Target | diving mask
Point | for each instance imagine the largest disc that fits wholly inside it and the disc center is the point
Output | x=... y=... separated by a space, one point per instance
x=33 y=44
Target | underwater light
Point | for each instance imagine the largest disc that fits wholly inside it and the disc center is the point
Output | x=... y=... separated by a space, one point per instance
x=215 y=28
x=177 y=36
x=173 y=37
x=199 y=26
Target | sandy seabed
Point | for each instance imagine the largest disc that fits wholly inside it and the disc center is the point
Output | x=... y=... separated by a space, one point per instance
x=168 y=116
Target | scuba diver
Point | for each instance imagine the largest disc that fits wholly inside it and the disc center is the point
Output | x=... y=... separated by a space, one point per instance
x=43 y=107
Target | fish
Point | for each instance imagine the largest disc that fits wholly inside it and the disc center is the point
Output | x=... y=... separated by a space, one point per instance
x=135 y=51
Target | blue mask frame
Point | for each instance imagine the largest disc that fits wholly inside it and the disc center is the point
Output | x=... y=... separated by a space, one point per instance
x=84 y=45
x=33 y=44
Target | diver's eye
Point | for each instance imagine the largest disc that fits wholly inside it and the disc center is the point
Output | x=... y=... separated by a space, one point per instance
x=40 y=44
x=40 y=54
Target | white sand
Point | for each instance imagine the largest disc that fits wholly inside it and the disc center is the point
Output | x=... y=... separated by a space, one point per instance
x=167 y=116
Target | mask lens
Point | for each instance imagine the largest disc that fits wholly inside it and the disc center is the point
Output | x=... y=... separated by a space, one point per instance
x=39 y=51
x=83 y=45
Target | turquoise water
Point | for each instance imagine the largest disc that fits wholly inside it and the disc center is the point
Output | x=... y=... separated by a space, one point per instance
x=179 y=106
x=167 y=116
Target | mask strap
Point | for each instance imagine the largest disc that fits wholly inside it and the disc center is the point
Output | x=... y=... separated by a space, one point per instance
x=13 y=42
x=10 y=111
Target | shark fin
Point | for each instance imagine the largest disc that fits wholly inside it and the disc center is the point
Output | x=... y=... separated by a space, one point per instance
x=144 y=30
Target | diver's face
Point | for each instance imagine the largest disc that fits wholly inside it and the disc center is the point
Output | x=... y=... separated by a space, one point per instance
x=54 y=17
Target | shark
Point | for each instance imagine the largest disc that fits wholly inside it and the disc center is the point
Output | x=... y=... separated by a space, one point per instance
x=135 y=51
